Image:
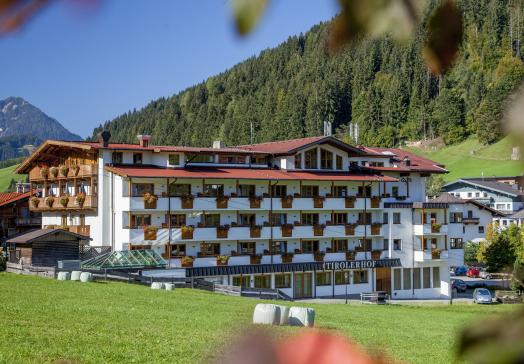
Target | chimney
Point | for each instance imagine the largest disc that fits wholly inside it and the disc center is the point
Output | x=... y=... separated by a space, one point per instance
x=218 y=144
x=143 y=140
x=103 y=138
x=407 y=161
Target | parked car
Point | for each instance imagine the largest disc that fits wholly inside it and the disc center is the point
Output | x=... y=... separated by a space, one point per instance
x=482 y=295
x=459 y=285
x=484 y=274
x=473 y=272
x=461 y=271
x=451 y=272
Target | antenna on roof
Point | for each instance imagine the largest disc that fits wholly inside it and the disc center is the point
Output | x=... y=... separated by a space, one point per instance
x=251 y=133
x=327 y=128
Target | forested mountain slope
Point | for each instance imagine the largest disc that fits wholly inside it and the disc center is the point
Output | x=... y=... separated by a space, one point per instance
x=384 y=86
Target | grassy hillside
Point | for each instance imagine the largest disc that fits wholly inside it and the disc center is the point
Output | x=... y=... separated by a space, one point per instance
x=471 y=159
x=50 y=321
x=8 y=173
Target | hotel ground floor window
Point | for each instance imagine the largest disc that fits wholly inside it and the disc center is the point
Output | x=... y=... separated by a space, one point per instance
x=242 y=281
x=416 y=278
x=323 y=278
x=283 y=280
x=339 y=245
x=436 y=277
x=360 y=276
x=406 y=272
x=209 y=249
x=426 y=280
x=263 y=281
x=178 y=250
x=397 y=279
x=342 y=277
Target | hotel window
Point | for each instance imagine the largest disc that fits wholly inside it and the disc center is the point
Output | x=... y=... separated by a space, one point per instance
x=231 y=159
x=339 y=162
x=283 y=280
x=455 y=217
x=323 y=279
x=477 y=194
x=364 y=191
x=376 y=164
x=209 y=249
x=310 y=159
x=246 y=247
x=394 y=191
x=385 y=244
x=340 y=191
x=213 y=190
x=397 y=279
x=298 y=161
x=278 y=219
x=481 y=229
x=179 y=189
x=200 y=158
x=211 y=220
x=279 y=190
x=406 y=275
x=309 y=246
x=342 y=277
x=360 y=276
x=365 y=244
x=178 y=220
x=455 y=243
x=339 y=218
x=263 y=281
x=178 y=250
x=339 y=245
x=246 y=190
x=242 y=281
x=364 y=218
x=397 y=244
x=137 y=158
x=385 y=218
x=174 y=159
x=326 y=159
x=117 y=158
x=436 y=277
x=426 y=281
x=416 y=278
x=470 y=194
x=140 y=221
x=82 y=220
x=396 y=218
x=279 y=247
x=63 y=220
x=309 y=191
x=259 y=160
x=485 y=194
x=140 y=189
x=247 y=219
x=309 y=219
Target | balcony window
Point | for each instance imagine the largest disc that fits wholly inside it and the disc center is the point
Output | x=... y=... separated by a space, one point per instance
x=178 y=250
x=385 y=244
x=209 y=249
x=360 y=276
x=309 y=219
x=364 y=218
x=339 y=162
x=278 y=219
x=396 y=218
x=140 y=220
x=178 y=220
x=263 y=281
x=213 y=190
x=140 y=189
x=342 y=277
x=231 y=159
x=246 y=190
x=339 y=218
x=179 y=189
x=174 y=159
x=279 y=190
x=340 y=191
x=298 y=161
x=247 y=219
x=455 y=217
x=326 y=159
x=246 y=247
x=309 y=246
x=137 y=158
x=211 y=220
x=200 y=158
x=456 y=243
x=283 y=280
x=470 y=194
x=309 y=191
x=259 y=160
x=397 y=244
x=323 y=278
x=385 y=218
x=117 y=158
x=394 y=191
x=364 y=191
x=365 y=244
x=279 y=247
x=481 y=229
x=339 y=245
x=310 y=159
x=242 y=281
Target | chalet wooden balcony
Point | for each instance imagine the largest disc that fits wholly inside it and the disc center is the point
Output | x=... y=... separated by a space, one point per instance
x=52 y=203
x=55 y=173
x=471 y=220
x=77 y=229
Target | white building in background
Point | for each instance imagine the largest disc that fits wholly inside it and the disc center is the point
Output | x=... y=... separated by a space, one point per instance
x=311 y=217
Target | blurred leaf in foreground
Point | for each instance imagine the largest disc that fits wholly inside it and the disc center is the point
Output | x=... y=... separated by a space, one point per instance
x=247 y=14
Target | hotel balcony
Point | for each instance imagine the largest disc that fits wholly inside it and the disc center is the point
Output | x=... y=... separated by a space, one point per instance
x=431 y=255
x=430 y=229
x=77 y=229
x=63 y=203
x=83 y=171
x=471 y=220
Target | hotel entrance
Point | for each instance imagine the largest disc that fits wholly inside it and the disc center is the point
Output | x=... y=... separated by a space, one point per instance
x=303 y=285
x=383 y=280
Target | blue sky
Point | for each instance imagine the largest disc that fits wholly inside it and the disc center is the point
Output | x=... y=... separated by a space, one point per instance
x=86 y=65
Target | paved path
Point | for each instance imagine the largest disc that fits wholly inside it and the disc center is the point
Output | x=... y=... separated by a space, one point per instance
x=460 y=301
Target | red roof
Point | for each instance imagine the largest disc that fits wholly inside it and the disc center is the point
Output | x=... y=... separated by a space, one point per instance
x=10 y=197
x=243 y=173
x=417 y=163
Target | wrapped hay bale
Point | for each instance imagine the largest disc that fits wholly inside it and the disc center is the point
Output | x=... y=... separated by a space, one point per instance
x=157 y=285
x=75 y=275
x=284 y=315
x=169 y=286
x=63 y=276
x=301 y=316
x=86 y=277
x=266 y=314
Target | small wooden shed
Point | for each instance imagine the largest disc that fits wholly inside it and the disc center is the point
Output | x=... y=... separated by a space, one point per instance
x=45 y=247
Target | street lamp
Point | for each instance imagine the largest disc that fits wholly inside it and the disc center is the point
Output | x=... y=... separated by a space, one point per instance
x=346 y=281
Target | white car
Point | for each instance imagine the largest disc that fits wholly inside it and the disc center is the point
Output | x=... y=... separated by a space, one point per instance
x=485 y=274
x=482 y=295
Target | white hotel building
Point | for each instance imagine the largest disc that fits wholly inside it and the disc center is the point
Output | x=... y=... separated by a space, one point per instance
x=311 y=217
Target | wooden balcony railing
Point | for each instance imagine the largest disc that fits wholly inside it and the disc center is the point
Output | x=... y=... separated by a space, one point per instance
x=83 y=170
x=81 y=229
x=52 y=203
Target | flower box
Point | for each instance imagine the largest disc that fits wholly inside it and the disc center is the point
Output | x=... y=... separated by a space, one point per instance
x=44 y=172
x=75 y=170
x=375 y=202
x=64 y=200
x=187 y=232
x=187 y=262
x=222 y=202
x=80 y=199
x=319 y=256
x=222 y=231
x=287 y=230
x=255 y=259
x=53 y=171
x=350 y=202
x=187 y=202
x=35 y=201
x=350 y=229
x=150 y=232
x=222 y=259
x=375 y=228
x=287 y=257
x=150 y=200
x=435 y=254
x=254 y=231
x=49 y=201
x=64 y=170
x=318 y=202
x=287 y=202
x=318 y=230
x=435 y=228
x=254 y=202
x=375 y=254
x=350 y=255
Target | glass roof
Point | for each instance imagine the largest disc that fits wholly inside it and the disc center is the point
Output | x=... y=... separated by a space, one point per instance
x=126 y=259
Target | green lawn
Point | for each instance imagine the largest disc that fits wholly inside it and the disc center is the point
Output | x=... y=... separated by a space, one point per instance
x=492 y=160
x=8 y=173
x=46 y=321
